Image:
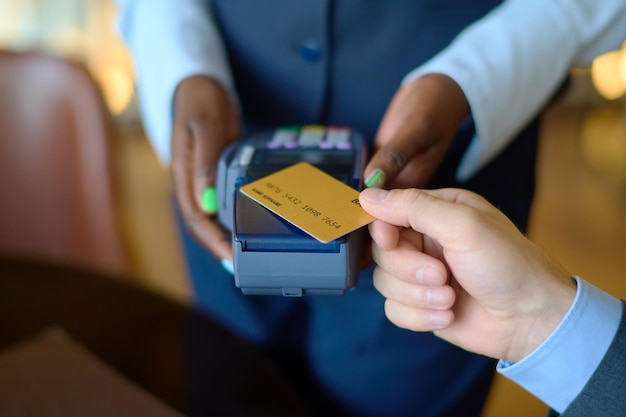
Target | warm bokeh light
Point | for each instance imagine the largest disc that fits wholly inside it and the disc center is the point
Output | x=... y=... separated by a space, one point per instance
x=81 y=30
x=112 y=67
x=608 y=73
x=622 y=65
x=70 y=42
x=117 y=84
x=603 y=142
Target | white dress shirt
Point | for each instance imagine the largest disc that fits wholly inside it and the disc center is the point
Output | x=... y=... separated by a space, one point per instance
x=508 y=63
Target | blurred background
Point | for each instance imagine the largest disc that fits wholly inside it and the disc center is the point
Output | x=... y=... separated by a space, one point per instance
x=578 y=217
x=84 y=31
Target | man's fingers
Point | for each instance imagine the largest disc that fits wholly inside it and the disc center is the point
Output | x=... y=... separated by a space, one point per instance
x=436 y=214
x=400 y=207
x=384 y=234
x=410 y=293
x=407 y=262
x=418 y=320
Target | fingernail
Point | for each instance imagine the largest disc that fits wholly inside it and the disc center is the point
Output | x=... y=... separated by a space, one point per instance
x=436 y=298
x=374 y=195
x=428 y=276
x=375 y=179
x=439 y=318
x=209 y=200
x=227 y=264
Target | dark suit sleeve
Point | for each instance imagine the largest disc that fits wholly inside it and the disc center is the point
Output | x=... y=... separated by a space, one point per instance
x=605 y=393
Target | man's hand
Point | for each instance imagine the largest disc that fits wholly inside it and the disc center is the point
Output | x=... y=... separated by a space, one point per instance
x=451 y=263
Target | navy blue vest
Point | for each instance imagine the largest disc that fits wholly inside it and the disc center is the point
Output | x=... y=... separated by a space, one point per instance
x=332 y=61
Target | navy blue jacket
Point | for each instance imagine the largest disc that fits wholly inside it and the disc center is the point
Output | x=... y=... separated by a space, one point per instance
x=341 y=61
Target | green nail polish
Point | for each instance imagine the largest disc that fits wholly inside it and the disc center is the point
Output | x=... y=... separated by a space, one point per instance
x=375 y=179
x=209 y=200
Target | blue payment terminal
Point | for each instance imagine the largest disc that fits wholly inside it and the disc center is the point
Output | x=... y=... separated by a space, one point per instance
x=271 y=256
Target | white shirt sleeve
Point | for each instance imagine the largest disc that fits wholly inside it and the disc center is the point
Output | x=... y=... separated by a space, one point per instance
x=170 y=40
x=510 y=62
x=557 y=371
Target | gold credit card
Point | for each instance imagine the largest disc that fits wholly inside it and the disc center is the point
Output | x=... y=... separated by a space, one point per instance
x=310 y=199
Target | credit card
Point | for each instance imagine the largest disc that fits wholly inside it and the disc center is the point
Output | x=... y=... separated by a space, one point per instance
x=311 y=200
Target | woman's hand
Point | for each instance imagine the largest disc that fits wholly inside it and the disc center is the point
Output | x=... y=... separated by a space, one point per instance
x=416 y=132
x=205 y=123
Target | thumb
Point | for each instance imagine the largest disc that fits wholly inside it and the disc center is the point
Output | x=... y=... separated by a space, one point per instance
x=390 y=159
x=437 y=214
x=210 y=139
x=416 y=132
x=397 y=140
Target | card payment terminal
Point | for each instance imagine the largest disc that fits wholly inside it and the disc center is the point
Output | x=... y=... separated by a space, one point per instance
x=271 y=256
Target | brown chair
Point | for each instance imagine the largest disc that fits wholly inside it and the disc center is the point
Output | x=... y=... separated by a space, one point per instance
x=56 y=169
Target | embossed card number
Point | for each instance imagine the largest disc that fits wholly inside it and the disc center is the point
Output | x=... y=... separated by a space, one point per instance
x=310 y=199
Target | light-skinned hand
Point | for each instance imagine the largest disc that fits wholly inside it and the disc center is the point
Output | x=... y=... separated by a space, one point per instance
x=450 y=262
